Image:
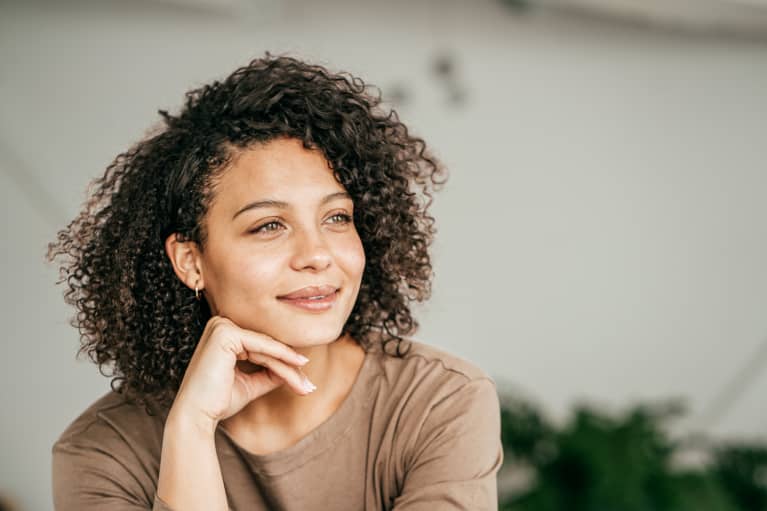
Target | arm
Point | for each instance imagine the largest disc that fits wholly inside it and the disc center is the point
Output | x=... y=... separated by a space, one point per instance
x=457 y=455
x=100 y=476
x=101 y=471
x=190 y=475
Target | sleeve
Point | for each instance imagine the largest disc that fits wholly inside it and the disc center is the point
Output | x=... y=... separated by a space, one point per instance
x=458 y=453
x=90 y=478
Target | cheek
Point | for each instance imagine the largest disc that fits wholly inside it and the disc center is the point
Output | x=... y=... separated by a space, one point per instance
x=254 y=274
x=353 y=257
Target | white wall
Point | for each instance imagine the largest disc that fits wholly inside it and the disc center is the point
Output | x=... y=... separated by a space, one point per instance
x=602 y=234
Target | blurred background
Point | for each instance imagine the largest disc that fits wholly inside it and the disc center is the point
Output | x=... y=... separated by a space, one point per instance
x=602 y=237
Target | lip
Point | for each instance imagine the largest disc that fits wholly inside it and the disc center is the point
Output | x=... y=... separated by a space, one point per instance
x=307 y=304
x=310 y=291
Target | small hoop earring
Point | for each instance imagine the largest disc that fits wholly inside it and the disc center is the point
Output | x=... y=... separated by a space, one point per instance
x=196 y=291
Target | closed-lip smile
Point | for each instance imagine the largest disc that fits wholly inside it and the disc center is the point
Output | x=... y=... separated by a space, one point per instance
x=309 y=292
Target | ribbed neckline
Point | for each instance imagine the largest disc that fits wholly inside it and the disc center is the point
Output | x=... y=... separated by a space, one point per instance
x=320 y=438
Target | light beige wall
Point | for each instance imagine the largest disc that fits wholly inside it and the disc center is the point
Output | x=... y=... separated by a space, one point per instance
x=602 y=235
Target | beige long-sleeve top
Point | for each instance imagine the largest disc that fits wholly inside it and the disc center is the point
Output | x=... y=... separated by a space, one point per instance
x=415 y=433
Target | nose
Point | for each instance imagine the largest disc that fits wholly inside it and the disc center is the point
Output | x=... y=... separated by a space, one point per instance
x=311 y=251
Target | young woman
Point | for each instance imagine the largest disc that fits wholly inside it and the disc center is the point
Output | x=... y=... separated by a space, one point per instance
x=246 y=273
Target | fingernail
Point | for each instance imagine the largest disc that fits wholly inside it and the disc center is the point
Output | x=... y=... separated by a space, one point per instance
x=308 y=385
x=302 y=359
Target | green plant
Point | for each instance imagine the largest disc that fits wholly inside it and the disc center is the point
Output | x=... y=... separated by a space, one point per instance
x=606 y=462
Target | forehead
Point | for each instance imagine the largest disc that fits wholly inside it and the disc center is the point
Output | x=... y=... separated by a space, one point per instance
x=281 y=169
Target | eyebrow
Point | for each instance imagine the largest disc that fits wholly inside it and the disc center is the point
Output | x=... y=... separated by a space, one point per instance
x=272 y=203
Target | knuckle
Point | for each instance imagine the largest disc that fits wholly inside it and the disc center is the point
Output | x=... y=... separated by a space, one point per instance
x=218 y=322
x=260 y=360
x=229 y=346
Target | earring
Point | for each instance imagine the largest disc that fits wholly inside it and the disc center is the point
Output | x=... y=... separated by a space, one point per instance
x=197 y=291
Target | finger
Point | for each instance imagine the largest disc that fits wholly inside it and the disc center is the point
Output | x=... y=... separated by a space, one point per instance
x=255 y=385
x=261 y=343
x=274 y=376
x=291 y=375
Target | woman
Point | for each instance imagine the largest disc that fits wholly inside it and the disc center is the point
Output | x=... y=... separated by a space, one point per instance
x=246 y=272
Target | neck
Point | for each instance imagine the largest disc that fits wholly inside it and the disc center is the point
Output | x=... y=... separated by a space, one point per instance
x=332 y=368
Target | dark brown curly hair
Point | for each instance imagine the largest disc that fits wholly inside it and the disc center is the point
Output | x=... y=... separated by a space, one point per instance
x=135 y=315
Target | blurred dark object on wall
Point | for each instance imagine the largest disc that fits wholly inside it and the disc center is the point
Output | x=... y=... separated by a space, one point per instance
x=629 y=462
x=6 y=504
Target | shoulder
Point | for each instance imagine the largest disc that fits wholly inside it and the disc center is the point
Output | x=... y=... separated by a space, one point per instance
x=444 y=421
x=430 y=355
x=111 y=416
x=111 y=449
x=429 y=369
x=427 y=379
x=113 y=436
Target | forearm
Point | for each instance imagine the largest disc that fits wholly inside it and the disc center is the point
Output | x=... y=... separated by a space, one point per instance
x=190 y=476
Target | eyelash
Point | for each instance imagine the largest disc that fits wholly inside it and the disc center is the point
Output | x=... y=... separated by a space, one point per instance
x=262 y=228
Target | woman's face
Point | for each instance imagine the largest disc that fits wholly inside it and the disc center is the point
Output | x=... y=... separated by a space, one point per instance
x=279 y=222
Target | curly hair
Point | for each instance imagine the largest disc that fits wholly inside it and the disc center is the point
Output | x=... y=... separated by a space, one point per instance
x=135 y=315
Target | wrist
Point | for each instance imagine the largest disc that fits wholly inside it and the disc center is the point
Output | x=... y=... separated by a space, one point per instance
x=180 y=420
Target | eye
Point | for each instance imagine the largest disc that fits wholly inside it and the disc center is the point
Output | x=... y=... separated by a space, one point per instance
x=267 y=227
x=342 y=218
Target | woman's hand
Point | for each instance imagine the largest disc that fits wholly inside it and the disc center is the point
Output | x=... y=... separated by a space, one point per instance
x=214 y=388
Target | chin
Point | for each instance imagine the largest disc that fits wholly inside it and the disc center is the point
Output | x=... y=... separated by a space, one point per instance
x=315 y=337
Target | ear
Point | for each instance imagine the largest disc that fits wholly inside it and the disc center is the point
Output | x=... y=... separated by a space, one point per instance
x=186 y=261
